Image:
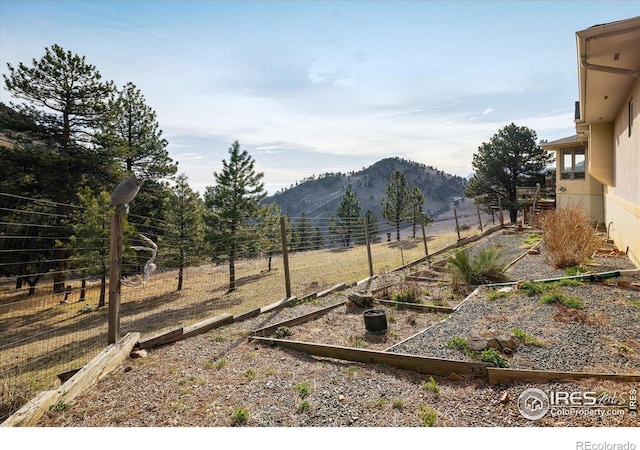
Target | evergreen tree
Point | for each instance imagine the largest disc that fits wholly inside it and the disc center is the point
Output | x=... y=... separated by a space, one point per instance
x=372 y=225
x=270 y=234
x=396 y=205
x=511 y=158
x=184 y=212
x=230 y=203
x=304 y=237
x=347 y=223
x=416 y=202
x=67 y=99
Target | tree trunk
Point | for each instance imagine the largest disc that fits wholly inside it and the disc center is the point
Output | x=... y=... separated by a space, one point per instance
x=83 y=290
x=269 y=263
x=513 y=214
x=19 y=282
x=397 y=230
x=180 y=273
x=232 y=272
x=103 y=290
x=32 y=284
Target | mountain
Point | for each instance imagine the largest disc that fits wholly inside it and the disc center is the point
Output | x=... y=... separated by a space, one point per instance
x=320 y=196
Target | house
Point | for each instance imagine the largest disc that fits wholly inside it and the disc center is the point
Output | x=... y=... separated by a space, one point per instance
x=599 y=168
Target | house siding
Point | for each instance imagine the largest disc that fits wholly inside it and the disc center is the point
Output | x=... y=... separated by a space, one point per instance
x=622 y=199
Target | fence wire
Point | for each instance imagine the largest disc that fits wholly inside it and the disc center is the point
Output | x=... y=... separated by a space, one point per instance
x=54 y=280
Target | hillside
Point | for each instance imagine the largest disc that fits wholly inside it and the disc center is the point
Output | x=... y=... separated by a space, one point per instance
x=320 y=196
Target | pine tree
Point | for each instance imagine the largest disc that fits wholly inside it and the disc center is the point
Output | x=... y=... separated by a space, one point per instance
x=416 y=201
x=184 y=213
x=67 y=99
x=348 y=221
x=230 y=203
x=395 y=206
x=270 y=234
x=510 y=159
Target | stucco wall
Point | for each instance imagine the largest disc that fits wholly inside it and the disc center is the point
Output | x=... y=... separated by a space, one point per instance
x=622 y=201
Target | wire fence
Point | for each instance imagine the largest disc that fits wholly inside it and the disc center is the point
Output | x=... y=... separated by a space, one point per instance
x=54 y=284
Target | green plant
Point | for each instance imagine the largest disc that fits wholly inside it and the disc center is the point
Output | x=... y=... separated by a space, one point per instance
x=350 y=371
x=378 y=403
x=60 y=406
x=221 y=363
x=409 y=292
x=397 y=403
x=431 y=386
x=485 y=266
x=556 y=296
x=574 y=270
x=530 y=288
x=493 y=296
x=303 y=389
x=458 y=343
x=427 y=415
x=356 y=341
x=250 y=374
x=622 y=348
x=527 y=338
x=494 y=358
x=240 y=416
x=304 y=406
x=282 y=332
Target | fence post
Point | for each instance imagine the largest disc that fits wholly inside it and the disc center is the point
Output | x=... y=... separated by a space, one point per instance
x=424 y=239
x=500 y=209
x=455 y=214
x=115 y=273
x=285 y=256
x=368 y=241
x=479 y=218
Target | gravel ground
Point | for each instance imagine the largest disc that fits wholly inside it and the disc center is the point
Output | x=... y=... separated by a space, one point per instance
x=221 y=379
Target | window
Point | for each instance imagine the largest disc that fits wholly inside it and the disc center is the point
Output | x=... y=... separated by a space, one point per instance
x=573 y=163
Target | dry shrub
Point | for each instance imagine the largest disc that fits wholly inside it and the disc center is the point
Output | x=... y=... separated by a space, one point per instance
x=568 y=236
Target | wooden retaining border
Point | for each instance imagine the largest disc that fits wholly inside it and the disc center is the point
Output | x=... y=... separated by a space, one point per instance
x=416 y=306
x=420 y=364
x=265 y=331
x=97 y=368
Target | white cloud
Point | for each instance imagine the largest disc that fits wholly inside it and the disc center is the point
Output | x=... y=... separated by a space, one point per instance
x=487 y=111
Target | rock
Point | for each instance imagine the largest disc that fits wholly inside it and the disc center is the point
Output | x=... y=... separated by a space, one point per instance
x=138 y=354
x=482 y=340
x=362 y=299
x=454 y=377
x=128 y=369
x=504 y=398
x=534 y=252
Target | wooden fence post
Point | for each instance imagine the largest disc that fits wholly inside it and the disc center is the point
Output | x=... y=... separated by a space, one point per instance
x=285 y=256
x=115 y=274
x=455 y=214
x=479 y=218
x=424 y=239
x=368 y=241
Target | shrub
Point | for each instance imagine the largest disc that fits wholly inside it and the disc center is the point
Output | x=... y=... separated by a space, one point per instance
x=492 y=356
x=240 y=416
x=564 y=300
x=408 y=293
x=431 y=386
x=574 y=270
x=568 y=236
x=527 y=338
x=282 y=332
x=458 y=343
x=428 y=415
x=530 y=288
x=485 y=266
x=303 y=389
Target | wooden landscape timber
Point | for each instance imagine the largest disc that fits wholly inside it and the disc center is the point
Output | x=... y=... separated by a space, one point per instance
x=96 y=369
x=265 y=331
x=416 y=306
x=420 y=364
x=498 y=375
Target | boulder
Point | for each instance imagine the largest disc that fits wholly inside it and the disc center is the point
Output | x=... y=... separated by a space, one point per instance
x=363 y=299
x=480 y=340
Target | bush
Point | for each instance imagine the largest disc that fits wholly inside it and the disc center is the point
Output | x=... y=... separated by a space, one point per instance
x=492 y=356
x=568 y=236
x=565 y=300
x=485 y=266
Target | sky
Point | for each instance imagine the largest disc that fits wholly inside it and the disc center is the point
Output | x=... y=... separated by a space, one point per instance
x=309 y=87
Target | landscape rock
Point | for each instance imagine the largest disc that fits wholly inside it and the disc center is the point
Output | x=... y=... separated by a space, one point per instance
x=362 y=299
x=480 y=340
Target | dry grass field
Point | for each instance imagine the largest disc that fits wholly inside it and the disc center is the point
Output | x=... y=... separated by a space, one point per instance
x=42 y=336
